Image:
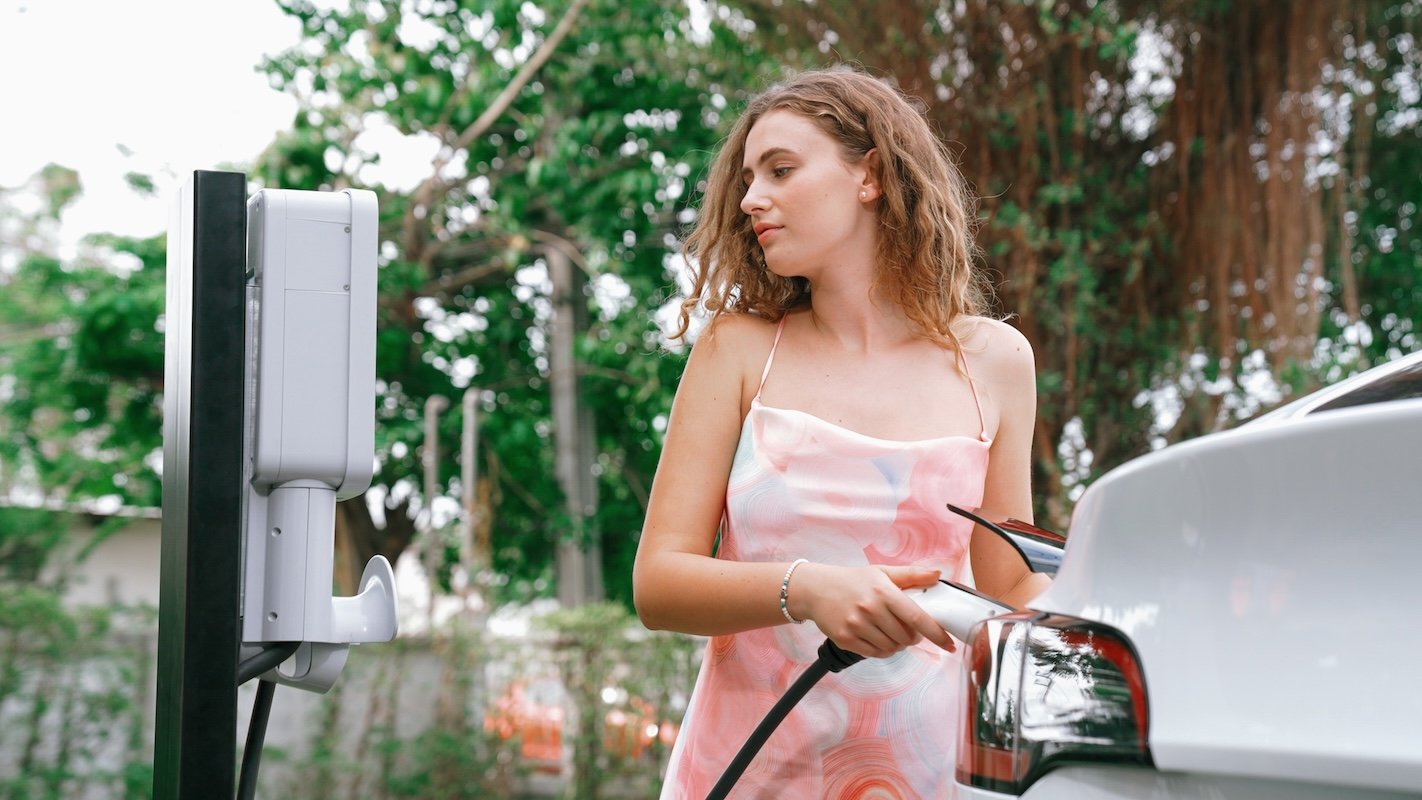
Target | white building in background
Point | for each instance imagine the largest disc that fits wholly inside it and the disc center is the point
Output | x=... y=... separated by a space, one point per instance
x=122 y=567
x=109 y=557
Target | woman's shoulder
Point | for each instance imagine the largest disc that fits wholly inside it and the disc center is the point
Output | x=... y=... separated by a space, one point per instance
x=996 y=348
x=991 y=332
x=731 y=350
x=734 y=338
x=735 y=332
x=741 y=323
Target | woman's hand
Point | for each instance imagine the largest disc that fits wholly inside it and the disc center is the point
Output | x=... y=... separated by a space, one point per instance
x=864 y=609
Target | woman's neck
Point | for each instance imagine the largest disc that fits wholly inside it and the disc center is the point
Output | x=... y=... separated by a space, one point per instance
x=857 y=318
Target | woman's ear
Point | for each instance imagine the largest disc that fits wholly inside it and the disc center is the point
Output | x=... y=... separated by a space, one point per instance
x=869 y=187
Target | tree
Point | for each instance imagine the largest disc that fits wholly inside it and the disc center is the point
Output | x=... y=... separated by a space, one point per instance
x=1173 y=194
x=81 y=356
x=545 y=136
x=1378 y=261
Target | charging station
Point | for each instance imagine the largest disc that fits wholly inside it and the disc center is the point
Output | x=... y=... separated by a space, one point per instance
x=269 y=415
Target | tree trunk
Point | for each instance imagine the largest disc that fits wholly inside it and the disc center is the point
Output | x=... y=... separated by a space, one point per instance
x=359 y=539
x=579 y=550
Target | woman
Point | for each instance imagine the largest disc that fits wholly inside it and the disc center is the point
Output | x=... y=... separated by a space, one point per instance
x=845 y=390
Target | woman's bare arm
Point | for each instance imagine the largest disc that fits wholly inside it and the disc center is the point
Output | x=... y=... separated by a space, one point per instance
x=1009 y=376
x=676 y=584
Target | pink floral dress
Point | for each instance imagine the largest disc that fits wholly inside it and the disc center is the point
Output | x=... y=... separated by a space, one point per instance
x=885 y=728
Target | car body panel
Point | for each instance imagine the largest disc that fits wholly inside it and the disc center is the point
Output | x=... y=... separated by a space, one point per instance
x=1267 y=578
x=1396 y=380
x=1130 y=783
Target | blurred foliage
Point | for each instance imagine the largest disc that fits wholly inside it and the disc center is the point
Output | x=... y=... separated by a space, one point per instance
x=496 y=712
x=1379 y=240
x=81 y=357
x=605 y=658
x=75 y=689
x=417 y=718
x=1187 y=207
x=593 y=155
x=28 y=537
x=588 y=641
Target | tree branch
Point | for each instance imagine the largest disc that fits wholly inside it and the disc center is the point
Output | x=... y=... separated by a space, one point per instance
x=525 y=74
x=428 y=187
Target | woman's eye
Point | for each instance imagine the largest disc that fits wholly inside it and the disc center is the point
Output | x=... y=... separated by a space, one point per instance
x=780 y=172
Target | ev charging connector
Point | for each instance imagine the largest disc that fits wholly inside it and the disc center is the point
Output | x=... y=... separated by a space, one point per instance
x=310 y=427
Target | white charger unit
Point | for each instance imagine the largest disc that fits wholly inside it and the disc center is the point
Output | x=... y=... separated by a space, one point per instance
x=310 y=427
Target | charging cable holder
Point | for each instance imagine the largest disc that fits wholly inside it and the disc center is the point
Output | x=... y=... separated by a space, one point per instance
x=310 y=436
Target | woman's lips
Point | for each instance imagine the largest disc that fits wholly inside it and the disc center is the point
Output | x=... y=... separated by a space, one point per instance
x=764 y=232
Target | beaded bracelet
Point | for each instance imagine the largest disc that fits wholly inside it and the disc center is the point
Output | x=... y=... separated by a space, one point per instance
x=785 y=590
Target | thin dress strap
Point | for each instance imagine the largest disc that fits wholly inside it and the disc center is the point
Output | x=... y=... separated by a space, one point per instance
x=765 y=373
x=972 y=384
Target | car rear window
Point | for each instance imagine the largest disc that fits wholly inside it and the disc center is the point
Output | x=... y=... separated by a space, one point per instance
x=1400 y=385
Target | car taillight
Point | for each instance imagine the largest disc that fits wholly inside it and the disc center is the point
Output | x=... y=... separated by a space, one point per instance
x=1041 y=690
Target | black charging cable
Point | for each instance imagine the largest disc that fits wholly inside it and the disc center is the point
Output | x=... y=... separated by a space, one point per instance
x=261 y=712
x=1040 y=549
x=265 y=660
x=831 y=659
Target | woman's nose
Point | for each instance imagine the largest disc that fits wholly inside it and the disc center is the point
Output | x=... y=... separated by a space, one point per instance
x=754 y=200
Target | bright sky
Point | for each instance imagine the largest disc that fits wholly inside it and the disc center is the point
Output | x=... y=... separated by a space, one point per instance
x=172 y=81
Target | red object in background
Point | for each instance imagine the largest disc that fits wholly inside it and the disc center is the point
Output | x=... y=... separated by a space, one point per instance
x=524 y=710
x=532 y=710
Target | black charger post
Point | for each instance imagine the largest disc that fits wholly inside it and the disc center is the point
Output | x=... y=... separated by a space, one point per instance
x=200 y=578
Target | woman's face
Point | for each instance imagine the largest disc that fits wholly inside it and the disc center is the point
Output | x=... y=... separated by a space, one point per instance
x=808 y=206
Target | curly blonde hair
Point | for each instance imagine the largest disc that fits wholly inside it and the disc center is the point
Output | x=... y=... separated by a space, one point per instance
x=926 y=252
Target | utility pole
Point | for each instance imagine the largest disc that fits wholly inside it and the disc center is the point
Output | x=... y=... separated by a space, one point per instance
x=477 y=554
x=579 y=552
x=434 y=554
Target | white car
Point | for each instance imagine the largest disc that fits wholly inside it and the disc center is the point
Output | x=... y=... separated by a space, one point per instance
x=1235 y=616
